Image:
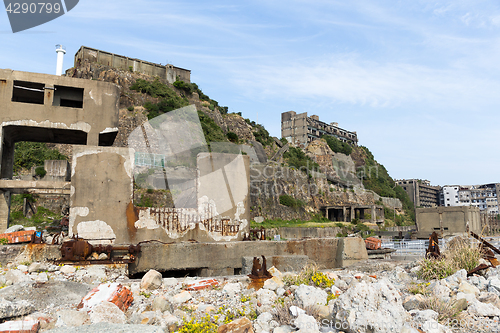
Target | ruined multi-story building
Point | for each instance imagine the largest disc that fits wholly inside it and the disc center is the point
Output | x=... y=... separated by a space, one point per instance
x=169 y=73
x=485 y=196
x=299 y=129
x=421 y=192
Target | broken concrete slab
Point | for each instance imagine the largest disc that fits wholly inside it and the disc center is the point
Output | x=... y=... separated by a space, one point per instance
x=10 y=309
x=44 y=294
x=20 y=326
x=107 y=292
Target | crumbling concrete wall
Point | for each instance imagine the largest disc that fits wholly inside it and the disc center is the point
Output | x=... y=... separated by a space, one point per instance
x=447 y=221
x=102 y=209
x=101 y=191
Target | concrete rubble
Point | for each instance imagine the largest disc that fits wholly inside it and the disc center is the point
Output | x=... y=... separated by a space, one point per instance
x=372 y=296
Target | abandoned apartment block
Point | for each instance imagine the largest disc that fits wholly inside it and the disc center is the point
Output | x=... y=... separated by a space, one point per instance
x=169 y=73
x=299 y=129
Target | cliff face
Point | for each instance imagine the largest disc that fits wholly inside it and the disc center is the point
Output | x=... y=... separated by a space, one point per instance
x=269 y=181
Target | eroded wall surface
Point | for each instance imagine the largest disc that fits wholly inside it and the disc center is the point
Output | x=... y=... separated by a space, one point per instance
x=102 y=209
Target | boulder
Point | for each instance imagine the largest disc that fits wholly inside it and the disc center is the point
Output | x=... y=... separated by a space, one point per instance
x=72 y=318
x=67 y=269
x=306 y=324
x=241 y=325
x=266 y=296
x=107 y=312
x=181 y=297
x=483 y=309
x=467 y=288
x=232 y=289
x=310 y=296
x=374 y=307
x=413 y=302
x=151 y=280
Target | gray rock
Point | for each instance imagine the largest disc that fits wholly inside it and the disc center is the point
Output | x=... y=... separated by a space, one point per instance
x=479 y=281
x=151 y=280
x=161 y=304
x=67 y=269
x=494 y=285
x=259 y=219
x=461 y=304
x=483 y=309
x=14 y=309
x=413 y=302
x=170 y=282
x=181 y=298
x=490 y=298
x=107 y=312
x=16 y=276
x=266 y=297
x=72 y=318
x=467 y=288
x=378 y=305
x=232 y=289
x=14 y=228
x=309 y=295
x=306 y=324
x=37 y=267
x=421 y=316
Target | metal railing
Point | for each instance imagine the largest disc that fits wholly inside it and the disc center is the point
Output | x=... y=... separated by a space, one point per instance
x=418 y=247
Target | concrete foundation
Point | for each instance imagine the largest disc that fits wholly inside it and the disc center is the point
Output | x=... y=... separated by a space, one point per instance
x=215 y=259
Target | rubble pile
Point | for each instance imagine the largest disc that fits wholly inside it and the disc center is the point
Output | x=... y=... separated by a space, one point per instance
x=370 y=297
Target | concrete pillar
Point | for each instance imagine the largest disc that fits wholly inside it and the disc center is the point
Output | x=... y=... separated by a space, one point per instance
x=4 y=210
x=344 y=211
x=374 y=214
x=7 y=163
x=353 y=213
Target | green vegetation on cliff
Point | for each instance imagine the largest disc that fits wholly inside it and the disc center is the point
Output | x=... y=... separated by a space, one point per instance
x=296 y=158
x=376 y=178
x=336 y=145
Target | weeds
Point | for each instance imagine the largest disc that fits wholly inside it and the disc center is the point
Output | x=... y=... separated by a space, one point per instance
x=281 y=312
x=446 y=310
x=457 y=257
x=310 y=275
x=204 y=325
x=420 y=288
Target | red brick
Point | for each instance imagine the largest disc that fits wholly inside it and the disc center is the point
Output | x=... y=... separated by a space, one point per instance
x=202 y=284
x=18 y=236
x=111 y=292
x=19 y=326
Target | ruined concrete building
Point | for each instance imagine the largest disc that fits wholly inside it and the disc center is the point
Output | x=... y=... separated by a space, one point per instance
x=421 y=192
x=47 y=108
x=299 y=129
x=169 y=73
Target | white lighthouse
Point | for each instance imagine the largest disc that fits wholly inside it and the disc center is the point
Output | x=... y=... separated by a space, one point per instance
x=61 y=51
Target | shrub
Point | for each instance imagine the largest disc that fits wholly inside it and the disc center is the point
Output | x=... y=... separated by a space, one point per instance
x=287 y=200
x=336 y=145
x=460 y=256
x=233 y=137
x=40 y=171
x=28 y=154
x=204 y=325
x=131 y=108
x=431 y=269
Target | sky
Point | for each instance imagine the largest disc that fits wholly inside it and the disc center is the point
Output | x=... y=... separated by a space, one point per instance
x=417 y=80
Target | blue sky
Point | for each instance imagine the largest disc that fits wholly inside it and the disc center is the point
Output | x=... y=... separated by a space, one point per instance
x=418 y=80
